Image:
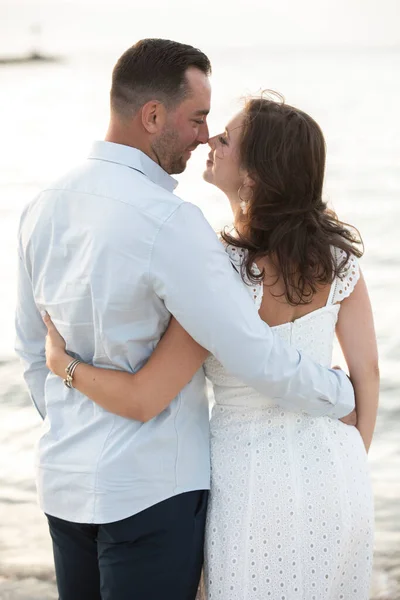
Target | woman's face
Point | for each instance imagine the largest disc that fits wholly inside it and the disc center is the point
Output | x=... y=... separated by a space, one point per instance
x=223 y=166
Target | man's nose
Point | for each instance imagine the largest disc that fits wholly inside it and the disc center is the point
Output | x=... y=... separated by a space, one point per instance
x=204 y=134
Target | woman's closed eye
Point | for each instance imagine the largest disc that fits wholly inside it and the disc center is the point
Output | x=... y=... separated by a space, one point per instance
x=223 y=140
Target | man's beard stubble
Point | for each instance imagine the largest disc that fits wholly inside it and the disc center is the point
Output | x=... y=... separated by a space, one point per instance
x=165 y=148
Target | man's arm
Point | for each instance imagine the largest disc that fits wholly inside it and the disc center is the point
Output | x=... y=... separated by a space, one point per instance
x=192 y=274
x=30 y=340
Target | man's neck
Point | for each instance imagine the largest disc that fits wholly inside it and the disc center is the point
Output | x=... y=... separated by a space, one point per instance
x=119 y=134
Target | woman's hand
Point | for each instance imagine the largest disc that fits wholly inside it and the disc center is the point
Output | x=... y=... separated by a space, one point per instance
x=57 y=358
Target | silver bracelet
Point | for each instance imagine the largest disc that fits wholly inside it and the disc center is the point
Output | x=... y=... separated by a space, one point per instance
x=70 y=370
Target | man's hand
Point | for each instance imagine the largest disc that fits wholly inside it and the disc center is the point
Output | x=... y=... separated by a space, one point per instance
x=350 y=419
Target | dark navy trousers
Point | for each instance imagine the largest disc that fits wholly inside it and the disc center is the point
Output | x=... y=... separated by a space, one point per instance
x=156 y=554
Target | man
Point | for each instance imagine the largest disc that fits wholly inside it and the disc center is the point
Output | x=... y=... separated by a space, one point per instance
x=111 y=253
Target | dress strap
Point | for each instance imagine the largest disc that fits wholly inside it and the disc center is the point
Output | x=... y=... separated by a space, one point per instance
x=332 y=292
x=334 y=282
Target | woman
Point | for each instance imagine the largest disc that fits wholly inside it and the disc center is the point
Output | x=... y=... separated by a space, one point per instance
x=290 y=513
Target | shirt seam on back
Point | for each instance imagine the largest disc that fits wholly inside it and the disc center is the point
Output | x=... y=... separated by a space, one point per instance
x=96 y=470
x=179 y=398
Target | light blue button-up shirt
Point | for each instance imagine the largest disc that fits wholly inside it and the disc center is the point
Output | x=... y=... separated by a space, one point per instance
x=110 y=252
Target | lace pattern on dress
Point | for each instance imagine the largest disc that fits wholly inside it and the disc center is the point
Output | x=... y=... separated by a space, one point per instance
x=345 y=283
x=237 y=255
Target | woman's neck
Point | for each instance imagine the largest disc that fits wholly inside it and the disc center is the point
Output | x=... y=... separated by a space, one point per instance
x=237 y=212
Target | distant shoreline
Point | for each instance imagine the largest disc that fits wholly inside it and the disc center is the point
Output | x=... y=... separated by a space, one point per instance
x=32 y=57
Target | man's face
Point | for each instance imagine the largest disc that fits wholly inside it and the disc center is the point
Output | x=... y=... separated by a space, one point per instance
x=186 y=125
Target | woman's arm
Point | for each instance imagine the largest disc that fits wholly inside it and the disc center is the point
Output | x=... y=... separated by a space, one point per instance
x=356 y=335
x=142 y=395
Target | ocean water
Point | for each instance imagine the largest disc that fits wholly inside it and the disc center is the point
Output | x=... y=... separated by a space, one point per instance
x=50 y=113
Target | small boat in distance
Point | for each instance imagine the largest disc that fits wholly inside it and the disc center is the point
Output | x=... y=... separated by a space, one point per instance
x=34 y=56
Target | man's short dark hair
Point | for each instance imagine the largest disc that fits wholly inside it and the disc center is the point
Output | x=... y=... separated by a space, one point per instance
x=154 y=69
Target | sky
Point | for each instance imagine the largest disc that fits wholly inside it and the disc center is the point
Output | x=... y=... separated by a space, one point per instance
x=220 y=22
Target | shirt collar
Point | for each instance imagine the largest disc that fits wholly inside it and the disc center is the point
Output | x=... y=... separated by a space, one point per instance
x=134 y=159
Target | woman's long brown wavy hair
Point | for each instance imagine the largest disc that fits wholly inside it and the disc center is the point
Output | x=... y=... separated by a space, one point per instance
x=283 y=151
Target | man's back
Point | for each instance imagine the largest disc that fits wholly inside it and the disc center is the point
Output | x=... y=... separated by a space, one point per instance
x=87 y=245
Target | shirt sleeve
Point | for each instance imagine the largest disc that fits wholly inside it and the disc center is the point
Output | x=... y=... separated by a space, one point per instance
x=30 y=339
x=192 y=274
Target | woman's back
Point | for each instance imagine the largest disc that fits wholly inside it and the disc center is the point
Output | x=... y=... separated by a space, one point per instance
x=275 y=310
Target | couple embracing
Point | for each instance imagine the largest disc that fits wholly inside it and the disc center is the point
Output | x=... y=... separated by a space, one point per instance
x=127 y=300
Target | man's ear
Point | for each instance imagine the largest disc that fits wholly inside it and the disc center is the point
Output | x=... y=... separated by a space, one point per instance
x=153 y=116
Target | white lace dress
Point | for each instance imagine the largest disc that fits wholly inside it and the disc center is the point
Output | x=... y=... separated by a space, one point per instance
x=290 y=513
